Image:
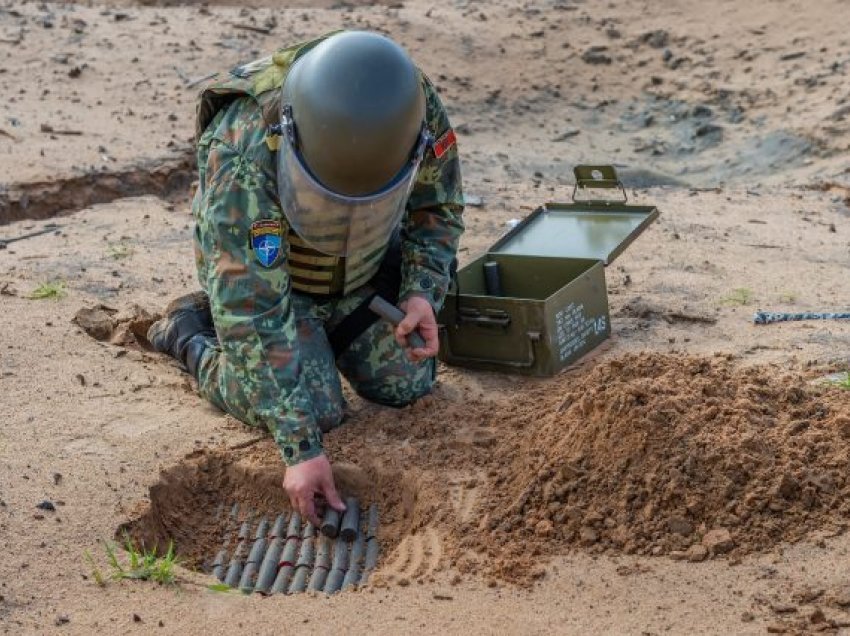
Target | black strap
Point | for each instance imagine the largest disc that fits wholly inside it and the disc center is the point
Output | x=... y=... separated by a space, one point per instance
x=386 y=284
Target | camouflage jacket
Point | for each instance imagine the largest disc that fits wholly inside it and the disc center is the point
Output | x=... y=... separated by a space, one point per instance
x=251 y=304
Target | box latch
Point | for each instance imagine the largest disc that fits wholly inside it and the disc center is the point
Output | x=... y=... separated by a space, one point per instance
x=597 y=178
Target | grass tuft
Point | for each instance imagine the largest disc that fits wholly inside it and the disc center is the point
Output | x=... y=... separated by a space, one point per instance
x=51 y=289
x=738 y=297
x=141 y=564
x=117 y=251
x=842 y=382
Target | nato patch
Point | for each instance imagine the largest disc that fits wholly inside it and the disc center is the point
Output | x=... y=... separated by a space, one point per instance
x=267 y=241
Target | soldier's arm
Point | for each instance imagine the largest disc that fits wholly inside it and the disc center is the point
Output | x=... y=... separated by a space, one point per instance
x=434 y=220
x=257 y=373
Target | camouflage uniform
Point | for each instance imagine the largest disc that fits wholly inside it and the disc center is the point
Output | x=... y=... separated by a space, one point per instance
x=271 y=365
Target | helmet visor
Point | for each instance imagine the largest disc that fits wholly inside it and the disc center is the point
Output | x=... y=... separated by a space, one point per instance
x=335 y=223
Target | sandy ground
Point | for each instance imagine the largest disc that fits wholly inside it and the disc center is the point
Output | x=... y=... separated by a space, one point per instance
x=746 y=109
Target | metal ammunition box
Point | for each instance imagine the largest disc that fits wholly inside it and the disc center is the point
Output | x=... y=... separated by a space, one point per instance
x=551 y=274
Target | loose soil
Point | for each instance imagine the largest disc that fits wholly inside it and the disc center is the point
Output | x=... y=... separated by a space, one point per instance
x=648 y=454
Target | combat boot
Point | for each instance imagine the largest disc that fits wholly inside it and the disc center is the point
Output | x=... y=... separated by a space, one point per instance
x=186 y=330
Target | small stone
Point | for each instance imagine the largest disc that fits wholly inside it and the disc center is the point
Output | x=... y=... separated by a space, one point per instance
x=817 y=616
x=596 y=55
x=747 y=617
x=137 y=618
x=681 y=526
x=776 y=628
x=697 y=553
x=544 y=528
x=442 y=596
x=46 y=505
x=403 y=582
x=678 y=555
x=842 y=597
x=62 y=619
x=789 y=487
x=783 y=608
x=588 y=536
x=718 y=541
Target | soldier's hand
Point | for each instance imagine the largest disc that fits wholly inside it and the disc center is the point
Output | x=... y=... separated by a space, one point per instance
x=419 y=316
x=304 y=481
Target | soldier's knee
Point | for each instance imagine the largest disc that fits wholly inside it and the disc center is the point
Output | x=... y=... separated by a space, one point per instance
x=400 y=390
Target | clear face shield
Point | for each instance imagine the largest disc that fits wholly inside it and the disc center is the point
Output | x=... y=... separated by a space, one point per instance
x=334 y=223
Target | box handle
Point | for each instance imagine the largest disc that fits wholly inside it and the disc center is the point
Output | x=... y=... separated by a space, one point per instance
x=491 y=318
x=530 y=361
x=597 y=178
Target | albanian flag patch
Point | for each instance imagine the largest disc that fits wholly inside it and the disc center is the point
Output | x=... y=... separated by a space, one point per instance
x=444 y=143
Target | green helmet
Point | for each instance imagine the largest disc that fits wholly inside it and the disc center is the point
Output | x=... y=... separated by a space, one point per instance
x=352 y=112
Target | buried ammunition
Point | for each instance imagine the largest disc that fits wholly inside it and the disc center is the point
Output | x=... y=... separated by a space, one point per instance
x=352 y=576
x=492 y=279
x=279 y=528
x=350 y=520
x=322 y=565
x=268 y=568
x=373 y=551
x=218 y=565
x=290 y=551
x=234 y=570
x=281 y=581
x=340 y=565
x=372 y=523
x=302 y=568
x=394 y=316
x=330 y=524
x=294 y=529
x=262 y=528
x=252 y=563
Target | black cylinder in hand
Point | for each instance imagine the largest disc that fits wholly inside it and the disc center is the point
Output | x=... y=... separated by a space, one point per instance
x=492 y=279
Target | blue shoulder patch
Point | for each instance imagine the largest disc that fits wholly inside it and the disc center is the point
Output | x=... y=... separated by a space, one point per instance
x=267 y=241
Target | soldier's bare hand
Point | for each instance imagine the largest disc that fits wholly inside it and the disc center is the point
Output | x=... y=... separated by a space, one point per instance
x=419 y=316
x=305 y=481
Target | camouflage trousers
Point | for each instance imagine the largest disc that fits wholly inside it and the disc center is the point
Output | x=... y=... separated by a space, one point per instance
x=376 y=367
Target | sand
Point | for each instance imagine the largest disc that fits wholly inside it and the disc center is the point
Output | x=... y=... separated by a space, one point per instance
x=688 y=477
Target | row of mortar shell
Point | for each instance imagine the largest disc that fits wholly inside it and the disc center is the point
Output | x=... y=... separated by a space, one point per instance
x=234 y=569
x=305 y=560
x=322 y=565
x=373 y=548
x=268 y=568
x=252 y=563
x=271 y=565
x=340 y=565
x=286 y=563
x=218 y=566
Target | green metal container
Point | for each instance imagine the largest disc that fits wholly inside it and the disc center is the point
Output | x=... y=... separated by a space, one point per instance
x=553 y=306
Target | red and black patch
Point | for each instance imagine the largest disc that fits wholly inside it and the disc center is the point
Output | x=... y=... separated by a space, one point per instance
x=444 y=143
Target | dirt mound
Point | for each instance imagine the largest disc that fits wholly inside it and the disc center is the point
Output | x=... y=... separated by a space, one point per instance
x=667 y=454
x=126 y=328
x=644 y=454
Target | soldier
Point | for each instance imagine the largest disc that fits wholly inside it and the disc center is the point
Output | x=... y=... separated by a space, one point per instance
x=328 y=173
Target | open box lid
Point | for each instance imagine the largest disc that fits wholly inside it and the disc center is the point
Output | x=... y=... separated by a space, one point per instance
x=586 y=228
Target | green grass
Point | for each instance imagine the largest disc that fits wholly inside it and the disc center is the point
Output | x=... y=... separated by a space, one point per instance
x=117 y=251
x=842 y=383
x=788 y=297
x=738 y=297
x=52 y=289
x=141 y=564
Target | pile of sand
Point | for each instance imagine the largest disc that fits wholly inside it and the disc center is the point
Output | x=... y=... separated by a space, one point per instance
x=666 y=454
x=644 y=454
